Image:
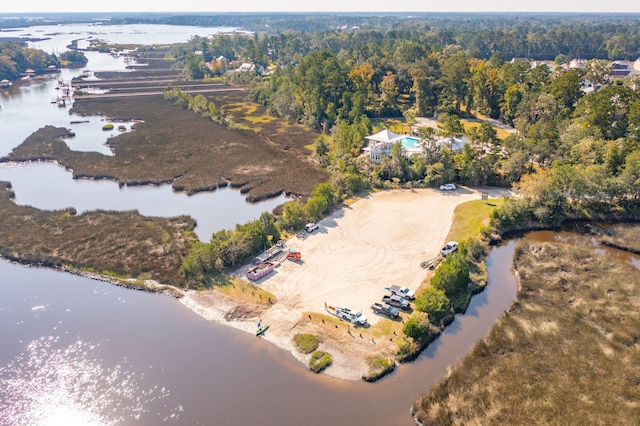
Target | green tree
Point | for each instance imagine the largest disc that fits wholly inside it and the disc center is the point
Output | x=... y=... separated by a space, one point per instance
x=435 y=303
x=416 y=326
x=452 y=276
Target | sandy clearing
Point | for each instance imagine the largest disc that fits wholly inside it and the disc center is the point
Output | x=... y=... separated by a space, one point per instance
x=378 y=241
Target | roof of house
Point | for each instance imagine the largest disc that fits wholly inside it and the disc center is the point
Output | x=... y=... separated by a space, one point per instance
x=384 y=136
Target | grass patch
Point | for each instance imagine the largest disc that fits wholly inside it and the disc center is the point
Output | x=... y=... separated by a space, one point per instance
x=378 y=367
x=468 y=125
x=471 y=217
x=306 y=343
x=319 y=361
x=565 y=353
x=244 y=291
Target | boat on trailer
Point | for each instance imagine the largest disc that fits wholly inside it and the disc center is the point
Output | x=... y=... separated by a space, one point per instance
x=260 y=271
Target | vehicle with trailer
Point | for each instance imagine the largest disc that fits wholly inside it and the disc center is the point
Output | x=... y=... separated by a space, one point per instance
x=449 y=248
x=385 y=309
x=354 y=317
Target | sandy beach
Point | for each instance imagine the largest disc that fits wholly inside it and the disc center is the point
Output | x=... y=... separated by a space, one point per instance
x=376 y=242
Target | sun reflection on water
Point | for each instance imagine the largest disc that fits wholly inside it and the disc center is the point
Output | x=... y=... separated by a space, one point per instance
x=52 y=385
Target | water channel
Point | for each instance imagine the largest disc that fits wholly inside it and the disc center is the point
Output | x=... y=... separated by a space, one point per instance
x=26 y=107
x=79 y=351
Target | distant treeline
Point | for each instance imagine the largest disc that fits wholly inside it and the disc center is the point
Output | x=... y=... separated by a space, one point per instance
x=533 y=35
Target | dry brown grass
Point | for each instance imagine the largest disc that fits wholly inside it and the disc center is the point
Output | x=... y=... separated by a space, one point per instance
x=117 y=243
x=567 y=352
x=622 y=235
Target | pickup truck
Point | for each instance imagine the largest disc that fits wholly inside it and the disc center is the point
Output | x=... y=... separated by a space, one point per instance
x=402 y=292
x=395 y=300
x=385 y=309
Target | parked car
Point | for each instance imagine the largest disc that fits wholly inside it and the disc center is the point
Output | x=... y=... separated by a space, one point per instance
x=310 y=227
x=449 y=248
x=447 y=187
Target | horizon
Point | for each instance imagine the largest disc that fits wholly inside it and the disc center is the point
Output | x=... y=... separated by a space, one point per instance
x=331 y=6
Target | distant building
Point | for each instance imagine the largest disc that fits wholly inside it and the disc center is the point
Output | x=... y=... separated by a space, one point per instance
x=620 y=69
x=246 y=66
x=549 y=64
x=578 y=63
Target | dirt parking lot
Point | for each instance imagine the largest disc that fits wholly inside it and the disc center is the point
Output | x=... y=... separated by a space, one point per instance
x=377 y=242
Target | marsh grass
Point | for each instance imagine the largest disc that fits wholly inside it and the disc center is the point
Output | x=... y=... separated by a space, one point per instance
x=258 y=154
x=122 y=245
x=620 y=235
x=319 y=361
x=567 y=352
x=242 y=290
x=378 y=367
x=306 y=343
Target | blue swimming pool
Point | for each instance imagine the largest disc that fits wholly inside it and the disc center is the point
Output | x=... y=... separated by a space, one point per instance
x=410 y=143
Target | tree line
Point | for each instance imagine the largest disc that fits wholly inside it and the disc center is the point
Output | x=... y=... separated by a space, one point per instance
x=16 y=58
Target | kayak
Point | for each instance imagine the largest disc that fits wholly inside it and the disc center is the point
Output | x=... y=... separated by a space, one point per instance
x=262 y=329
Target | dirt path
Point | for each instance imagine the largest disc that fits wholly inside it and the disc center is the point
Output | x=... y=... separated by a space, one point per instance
x=376 y=242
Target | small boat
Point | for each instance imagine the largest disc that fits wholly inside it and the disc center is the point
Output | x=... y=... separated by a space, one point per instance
x=262 y=329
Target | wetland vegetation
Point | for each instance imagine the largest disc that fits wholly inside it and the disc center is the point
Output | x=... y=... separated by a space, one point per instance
x=565 y=352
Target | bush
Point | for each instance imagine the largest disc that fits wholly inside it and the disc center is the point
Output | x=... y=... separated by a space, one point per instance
x=306 y=343
x=319 y=361
x=417 y=325
x=452 y=276
x=435 y=303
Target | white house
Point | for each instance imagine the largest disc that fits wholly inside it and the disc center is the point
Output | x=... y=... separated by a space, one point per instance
x=381 y=143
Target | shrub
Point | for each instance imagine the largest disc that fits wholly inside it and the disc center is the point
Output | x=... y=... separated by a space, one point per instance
x=452 y=276
x=319 y=361
x=306 y=343
x=435 y=303
x=417 y=325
